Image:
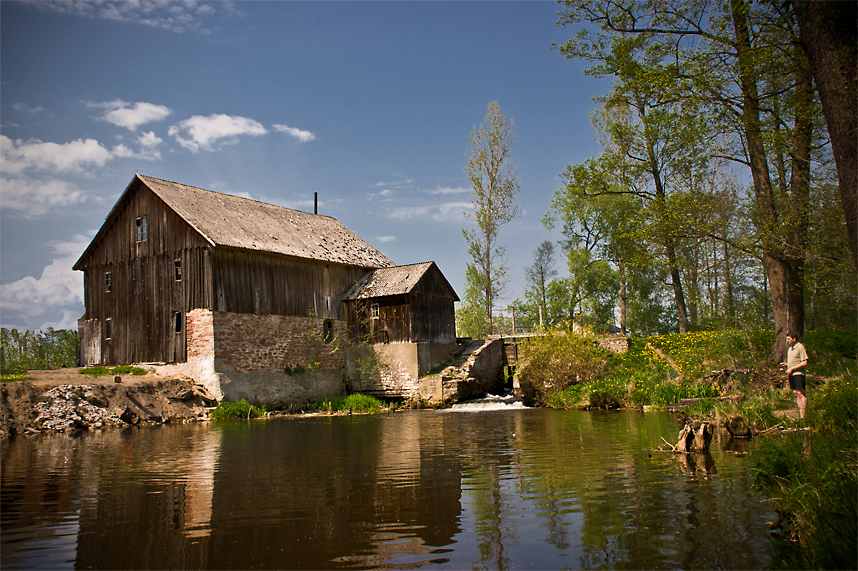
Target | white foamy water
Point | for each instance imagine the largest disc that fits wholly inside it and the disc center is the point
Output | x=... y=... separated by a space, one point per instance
x=491 y=402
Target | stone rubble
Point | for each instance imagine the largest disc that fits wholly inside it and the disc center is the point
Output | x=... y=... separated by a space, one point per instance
x=69 y=407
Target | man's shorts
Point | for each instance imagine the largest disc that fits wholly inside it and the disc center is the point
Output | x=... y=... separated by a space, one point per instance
x=796 y=381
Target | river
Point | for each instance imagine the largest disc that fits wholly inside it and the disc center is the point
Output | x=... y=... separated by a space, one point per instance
x=465 y=488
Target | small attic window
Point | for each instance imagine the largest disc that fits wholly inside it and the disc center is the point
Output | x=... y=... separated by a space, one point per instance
x=177 y=270
x=108 y=281
x=142 y=231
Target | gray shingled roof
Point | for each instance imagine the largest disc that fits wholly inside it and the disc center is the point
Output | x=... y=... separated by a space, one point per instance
x=226 y=220
x=383 y=282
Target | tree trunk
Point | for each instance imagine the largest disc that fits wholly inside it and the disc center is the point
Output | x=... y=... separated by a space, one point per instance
x=799 y=194
x=828 y=31
x=623 y=297
x=766 y=211
x=678 y=296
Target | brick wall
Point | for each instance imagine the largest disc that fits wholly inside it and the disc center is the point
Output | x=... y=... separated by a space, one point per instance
x=251 y=344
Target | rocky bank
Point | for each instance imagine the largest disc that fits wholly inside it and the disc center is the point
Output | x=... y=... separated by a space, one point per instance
x=67 y=401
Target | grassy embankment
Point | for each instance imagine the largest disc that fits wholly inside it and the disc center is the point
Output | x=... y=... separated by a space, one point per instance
x=810 y=475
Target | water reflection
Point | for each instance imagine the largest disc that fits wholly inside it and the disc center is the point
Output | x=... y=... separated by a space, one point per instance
x=500 y=489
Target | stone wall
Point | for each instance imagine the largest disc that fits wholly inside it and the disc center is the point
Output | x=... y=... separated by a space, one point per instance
x=400 y=368
x=245 y=356
x=617 y=344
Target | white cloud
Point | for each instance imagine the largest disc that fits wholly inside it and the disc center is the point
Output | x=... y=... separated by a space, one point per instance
x=447 y=212
x=200 y=132
x=184 y=16
x=300 y=134
x=31 y=198
x=386 y=194
x=132 y=115
x=19 y=156
x=149 y=140
x=26 y=108
x=384 y=239
x=37 y=303
x=449 y=190
x=396 y=183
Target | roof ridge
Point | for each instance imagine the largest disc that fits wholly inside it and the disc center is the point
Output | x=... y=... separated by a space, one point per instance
x=268 y=204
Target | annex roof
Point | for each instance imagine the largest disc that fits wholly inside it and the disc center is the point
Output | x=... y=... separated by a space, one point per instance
x=232 y=221
x=396 y=280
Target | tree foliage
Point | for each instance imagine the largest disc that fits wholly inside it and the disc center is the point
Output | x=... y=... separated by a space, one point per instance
x=696 y=86
x=491 y=173
x=51 y=349
x=558 y=358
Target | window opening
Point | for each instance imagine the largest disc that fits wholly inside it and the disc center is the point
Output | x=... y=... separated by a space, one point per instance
x=178 y=270
x=108 y=323
x=329 y=331
x=108 y=282
x=177 y=321
x=142 y=230
x=373 y=310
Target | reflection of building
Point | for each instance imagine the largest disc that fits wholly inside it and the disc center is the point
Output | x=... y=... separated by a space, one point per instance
x=235 y=292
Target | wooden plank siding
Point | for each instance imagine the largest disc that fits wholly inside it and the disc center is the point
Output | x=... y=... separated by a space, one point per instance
x=393 y=324
x=435 y=319
x=270 y=284
x=144 y=295
x=235 y=255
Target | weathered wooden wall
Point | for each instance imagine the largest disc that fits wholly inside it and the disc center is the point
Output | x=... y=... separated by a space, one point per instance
x=268 y=284
x=434 y=319
x=144 y=296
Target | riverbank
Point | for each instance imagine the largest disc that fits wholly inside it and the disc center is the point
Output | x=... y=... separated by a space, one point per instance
x=64 y=400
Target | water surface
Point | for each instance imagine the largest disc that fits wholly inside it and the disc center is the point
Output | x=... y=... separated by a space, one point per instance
x=496 y=489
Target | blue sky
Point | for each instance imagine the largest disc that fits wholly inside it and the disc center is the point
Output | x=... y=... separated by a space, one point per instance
x=369 y=104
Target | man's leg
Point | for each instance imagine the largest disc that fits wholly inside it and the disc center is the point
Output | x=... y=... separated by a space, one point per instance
x=801 y=401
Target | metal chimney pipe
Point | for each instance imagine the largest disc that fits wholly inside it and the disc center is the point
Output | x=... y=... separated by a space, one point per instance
x=315 y=203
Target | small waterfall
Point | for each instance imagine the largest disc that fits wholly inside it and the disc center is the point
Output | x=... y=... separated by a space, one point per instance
x=490 y=402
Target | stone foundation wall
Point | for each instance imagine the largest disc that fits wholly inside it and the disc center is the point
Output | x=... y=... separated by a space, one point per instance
x=400 y=368
x=243 y=356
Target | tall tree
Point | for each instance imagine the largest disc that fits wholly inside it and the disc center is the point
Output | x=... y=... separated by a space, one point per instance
x=538 y=275
x=491 y=173
x=656 y=134
x=830 y=37
x=729 y=54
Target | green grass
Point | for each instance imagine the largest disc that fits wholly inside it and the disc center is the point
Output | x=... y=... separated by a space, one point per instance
x=812 y=477
x=240 y=410
x=101 y=371
x=355 y=402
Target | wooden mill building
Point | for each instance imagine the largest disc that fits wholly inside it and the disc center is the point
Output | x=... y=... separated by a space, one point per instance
x=233 y=291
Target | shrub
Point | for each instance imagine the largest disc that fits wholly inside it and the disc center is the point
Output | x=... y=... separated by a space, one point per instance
x=235 y=411
x=558 y=359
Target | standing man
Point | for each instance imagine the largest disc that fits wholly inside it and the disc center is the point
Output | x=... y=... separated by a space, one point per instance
x=795 y=365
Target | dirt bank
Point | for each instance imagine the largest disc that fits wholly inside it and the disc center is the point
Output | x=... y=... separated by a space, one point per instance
x=65 y=400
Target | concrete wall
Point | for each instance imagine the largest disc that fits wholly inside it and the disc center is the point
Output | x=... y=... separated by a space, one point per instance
x=400 y=368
